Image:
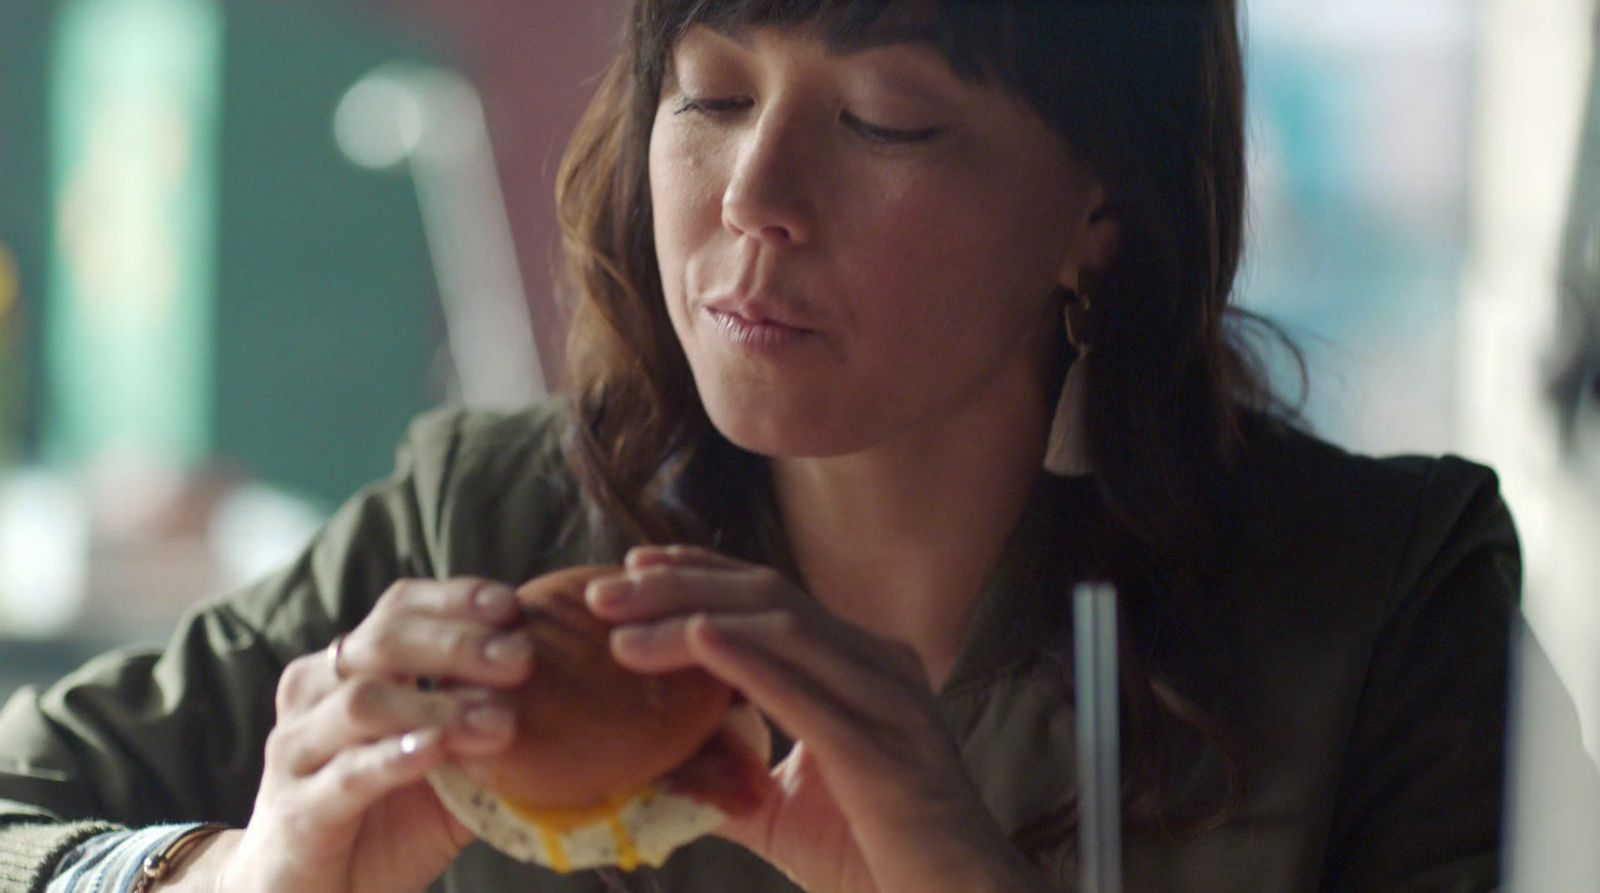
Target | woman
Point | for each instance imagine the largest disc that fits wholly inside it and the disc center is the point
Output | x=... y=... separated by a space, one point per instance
x=821 y=255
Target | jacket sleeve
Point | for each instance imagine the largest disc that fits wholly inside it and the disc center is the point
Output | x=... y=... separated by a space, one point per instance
x=1421 y=795
x=143 y=737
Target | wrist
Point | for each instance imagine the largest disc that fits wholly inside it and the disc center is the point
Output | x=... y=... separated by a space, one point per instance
x=203 y=868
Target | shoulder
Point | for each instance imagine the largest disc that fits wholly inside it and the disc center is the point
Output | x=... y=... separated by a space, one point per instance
x=1388 y=588
x=493 y=488
x=1338 y=481
x=452 y=435
x=1359 y=646
x=1360 y=534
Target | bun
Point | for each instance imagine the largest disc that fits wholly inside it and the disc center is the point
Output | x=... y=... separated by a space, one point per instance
x=589 y=730
x=587 y=780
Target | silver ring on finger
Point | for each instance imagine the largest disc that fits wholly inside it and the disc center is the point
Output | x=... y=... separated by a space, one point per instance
x=336 y=658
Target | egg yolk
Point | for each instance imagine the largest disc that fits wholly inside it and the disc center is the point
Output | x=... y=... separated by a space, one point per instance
x=554 y=824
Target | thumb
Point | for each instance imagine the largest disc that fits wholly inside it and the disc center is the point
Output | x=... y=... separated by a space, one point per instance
x=730 y=770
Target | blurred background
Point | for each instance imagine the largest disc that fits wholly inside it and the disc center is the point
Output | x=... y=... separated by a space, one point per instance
x=242 y=242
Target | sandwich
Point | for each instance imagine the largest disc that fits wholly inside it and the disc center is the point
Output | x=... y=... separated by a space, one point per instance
x=607 y=767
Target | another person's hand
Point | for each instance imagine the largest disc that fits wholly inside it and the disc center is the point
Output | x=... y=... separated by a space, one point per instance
x=343 y=805
x=873 y=798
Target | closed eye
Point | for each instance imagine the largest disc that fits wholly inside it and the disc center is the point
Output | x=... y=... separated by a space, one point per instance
x=716 y=108
x=876 y=134
x=710 y=107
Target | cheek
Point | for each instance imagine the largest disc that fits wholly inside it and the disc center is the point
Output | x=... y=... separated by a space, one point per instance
x=961 y=262
x=666 y=209
x=685 y=205
x=955 y=289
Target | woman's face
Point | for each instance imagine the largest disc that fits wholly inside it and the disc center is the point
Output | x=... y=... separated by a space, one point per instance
x=857 y=246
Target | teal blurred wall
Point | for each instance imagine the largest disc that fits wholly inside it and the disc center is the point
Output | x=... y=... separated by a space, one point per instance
x=24 y=198
x=326 y=321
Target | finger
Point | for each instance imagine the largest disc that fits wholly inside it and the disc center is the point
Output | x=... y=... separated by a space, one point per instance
x=747 y=656
x=468 y=598
x=754 y=831
x=680 y=556
x=305 y=681
x=815 y=693
x=411 y=645
x=662 y=590
x=664 y=645
x=745 y=723
x=659 y=647
x=363 y=711
x=842 y=657
x=359 y=777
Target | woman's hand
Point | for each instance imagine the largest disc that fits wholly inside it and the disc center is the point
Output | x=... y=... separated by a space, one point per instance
x=343 y=804
x=873 y=798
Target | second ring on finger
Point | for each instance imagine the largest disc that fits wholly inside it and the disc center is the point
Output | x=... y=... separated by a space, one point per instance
x=336 y=658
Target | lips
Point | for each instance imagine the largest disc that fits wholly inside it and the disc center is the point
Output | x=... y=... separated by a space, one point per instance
x=759 y=311
x=759 y=325
x=757 y=336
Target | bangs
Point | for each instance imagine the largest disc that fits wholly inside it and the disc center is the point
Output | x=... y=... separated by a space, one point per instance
x=976 y=37
x=840 y=21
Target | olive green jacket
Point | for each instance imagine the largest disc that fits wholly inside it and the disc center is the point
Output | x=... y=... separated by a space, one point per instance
x=1363 y=627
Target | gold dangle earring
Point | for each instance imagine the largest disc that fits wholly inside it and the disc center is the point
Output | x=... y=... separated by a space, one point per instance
x=1067 y=451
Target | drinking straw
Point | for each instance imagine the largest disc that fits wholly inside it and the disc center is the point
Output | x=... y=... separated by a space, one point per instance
x=1094 y=608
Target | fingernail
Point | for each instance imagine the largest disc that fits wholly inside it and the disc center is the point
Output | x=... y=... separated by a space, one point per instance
x=630 y=638
x=493 y=598
x=608 y=593
x=488 y=719
x=511 y=648
x=410 y=743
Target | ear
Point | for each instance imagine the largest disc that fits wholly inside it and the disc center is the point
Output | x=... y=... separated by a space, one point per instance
x=1095 y=240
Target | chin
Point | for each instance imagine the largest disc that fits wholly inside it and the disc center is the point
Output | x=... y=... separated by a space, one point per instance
x=781 y=428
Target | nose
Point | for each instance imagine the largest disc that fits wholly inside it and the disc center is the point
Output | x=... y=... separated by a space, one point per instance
x=768 y=196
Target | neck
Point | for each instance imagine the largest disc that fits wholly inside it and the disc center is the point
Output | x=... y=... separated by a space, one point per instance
x=901 y=539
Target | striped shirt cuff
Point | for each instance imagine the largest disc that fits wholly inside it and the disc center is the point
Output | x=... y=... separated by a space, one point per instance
x=110 y=862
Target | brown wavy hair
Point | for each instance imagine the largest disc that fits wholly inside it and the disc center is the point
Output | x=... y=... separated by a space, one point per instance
x=1150 y=95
